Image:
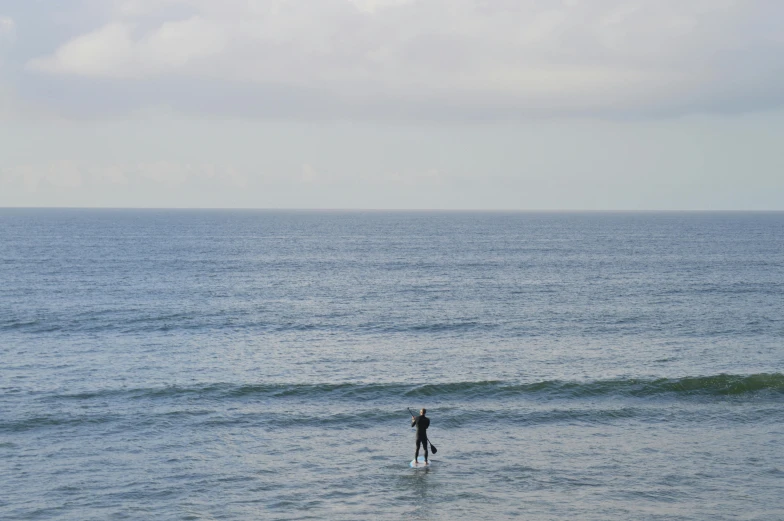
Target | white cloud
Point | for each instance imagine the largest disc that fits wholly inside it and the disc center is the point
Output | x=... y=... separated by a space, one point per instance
x=7 y=28
x=7 y=36
x=373 y=6
x=60 y=174
x=166 y=172
x=175 y=173
x=374 y=176
x=415 y=178
x=309 y=174
x=115 y=51
x=64 y=174
x=112 y=174
x=75 y=174
x=518 y=55
x=139 y=8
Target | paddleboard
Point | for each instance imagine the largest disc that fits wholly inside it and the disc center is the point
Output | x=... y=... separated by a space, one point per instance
x=419 y=463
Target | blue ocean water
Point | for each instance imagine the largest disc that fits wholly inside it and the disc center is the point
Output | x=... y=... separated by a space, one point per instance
x=237 y=365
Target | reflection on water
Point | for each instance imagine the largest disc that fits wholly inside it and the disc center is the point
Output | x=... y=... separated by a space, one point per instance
x=419 y=486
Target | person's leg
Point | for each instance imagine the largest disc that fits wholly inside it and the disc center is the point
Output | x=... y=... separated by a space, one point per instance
x=416 y=455
x=424 y=443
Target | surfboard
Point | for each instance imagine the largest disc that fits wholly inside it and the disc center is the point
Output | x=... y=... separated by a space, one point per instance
x=419 y=463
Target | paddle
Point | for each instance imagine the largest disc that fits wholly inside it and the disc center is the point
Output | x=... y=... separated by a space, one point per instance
x=433 y=448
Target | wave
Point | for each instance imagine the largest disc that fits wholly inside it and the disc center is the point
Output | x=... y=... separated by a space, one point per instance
x=248 y=322
x=714 y=385
x=721 y=385
x=354 y=405
x=117 y=322
x=141 y=418
x=360 y=416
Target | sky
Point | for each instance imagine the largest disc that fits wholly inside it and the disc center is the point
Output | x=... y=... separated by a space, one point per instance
x=393 y=104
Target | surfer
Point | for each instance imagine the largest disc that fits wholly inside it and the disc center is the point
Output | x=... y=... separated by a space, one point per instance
x=421 y=423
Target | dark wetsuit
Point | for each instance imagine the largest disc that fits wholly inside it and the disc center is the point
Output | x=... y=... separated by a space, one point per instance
x=421 y=423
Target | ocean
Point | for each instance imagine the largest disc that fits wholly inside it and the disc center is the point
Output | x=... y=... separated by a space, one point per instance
x=257 y=365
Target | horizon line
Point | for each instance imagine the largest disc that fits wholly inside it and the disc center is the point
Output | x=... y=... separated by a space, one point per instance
x=433 y=210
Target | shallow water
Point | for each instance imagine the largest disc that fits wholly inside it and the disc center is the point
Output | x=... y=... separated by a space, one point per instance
x=258 y=365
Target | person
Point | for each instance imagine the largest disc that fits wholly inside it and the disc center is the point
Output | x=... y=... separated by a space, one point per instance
x=421 y=423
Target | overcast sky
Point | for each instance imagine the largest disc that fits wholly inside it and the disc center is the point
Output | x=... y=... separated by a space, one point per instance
x=459 y=104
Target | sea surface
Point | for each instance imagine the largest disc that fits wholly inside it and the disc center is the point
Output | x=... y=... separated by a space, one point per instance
x=257 y=365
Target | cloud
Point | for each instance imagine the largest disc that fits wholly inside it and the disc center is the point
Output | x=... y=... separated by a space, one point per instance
x=115 y=51
x=7 y=28
x=373 y=176
x=415 y=178
x=175 y=173
x=112 y=174
x=309 y=175
x=373 y=6
x=7 y=35
x=60 y=174
x=442 y=58
x=74 y=174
